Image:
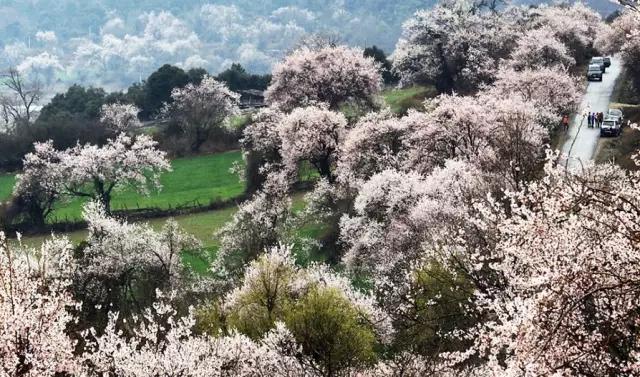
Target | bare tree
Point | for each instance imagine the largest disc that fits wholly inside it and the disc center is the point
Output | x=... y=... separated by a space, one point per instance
x=19 y=97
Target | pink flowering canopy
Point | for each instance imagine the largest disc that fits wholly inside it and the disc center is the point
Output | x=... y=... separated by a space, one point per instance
x=331 y=75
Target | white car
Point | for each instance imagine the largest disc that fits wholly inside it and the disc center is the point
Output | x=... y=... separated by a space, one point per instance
x=616 y=114
x=610 y=127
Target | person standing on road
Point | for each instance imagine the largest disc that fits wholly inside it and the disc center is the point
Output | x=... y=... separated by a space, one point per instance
x=600 y=119
x=590 y=120
x=565 y=122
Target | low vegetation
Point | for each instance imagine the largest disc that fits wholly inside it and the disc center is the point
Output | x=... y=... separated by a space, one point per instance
x=413 y=97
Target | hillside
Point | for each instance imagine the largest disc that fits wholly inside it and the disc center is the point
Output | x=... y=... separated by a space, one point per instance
x=106 y=43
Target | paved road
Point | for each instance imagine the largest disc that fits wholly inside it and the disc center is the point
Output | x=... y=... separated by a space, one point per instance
x=582 y=142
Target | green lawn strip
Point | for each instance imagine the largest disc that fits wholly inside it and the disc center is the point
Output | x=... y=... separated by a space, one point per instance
x=401 y=100
x=7 y=182
x=201 y=225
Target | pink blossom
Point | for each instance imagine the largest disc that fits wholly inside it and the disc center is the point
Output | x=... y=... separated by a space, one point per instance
x=331 y=75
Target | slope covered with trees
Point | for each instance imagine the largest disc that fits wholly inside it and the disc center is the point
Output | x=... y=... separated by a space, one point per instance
x=456 y=243
x=111 y=44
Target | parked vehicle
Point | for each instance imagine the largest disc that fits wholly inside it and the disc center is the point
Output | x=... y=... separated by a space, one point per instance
x=599 y=61
x=610 y=127
x=594 y=72
x=607 y=62
x=617 y=115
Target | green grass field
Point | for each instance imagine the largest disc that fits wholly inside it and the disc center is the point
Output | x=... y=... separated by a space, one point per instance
x=6 y=186
x=401 y=100
x=193 y=180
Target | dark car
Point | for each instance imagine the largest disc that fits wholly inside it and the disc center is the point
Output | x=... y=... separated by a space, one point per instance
x=610 y=127
x=599 y=61
x=594 y=72
x=607 y=62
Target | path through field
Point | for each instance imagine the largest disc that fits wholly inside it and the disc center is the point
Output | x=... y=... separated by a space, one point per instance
x=582 y=142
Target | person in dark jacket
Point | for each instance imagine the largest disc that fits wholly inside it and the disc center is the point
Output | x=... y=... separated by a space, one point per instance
x=600 y=119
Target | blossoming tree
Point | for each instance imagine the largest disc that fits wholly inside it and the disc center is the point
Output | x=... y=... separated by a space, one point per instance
x=34 y=297
x=540 y=48
x=95 y=171
x=120 y=117
x=40 y=184
x=455 y=46
x=331 y=75
x=200 y=109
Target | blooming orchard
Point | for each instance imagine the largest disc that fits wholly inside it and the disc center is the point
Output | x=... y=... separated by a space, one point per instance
x=445 y=242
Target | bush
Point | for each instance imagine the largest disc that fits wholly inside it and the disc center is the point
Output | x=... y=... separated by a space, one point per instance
x=332 y=331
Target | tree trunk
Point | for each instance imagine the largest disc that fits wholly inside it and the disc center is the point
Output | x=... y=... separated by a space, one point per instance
x=324 y=168
x=201 y=137
x=103 y=195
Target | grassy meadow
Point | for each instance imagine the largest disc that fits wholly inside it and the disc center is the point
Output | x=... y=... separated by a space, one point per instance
x=401 y=100
x=6 y=186
x=199 y=179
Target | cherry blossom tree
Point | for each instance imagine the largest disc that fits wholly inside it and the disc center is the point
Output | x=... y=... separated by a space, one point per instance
x=370 y=241
x=394 y=211
x=331 y=75
x=455 y=46
x=94 y=172
x=259 y=224
x=456 y=127
x=202 y=108
x=120 y=117
x=163 y=344
x=518 y=141
x=576 y=26
x=475 y=129
x=312 y=134
x=117 y=248
x=553 y=91
x=262 y=134
x=567 y=253
x=540 y=48
x=34 y=299
x=261 y=147
x=612 y=37
x=122 y=264
x=39 y=185
x=374 y=144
